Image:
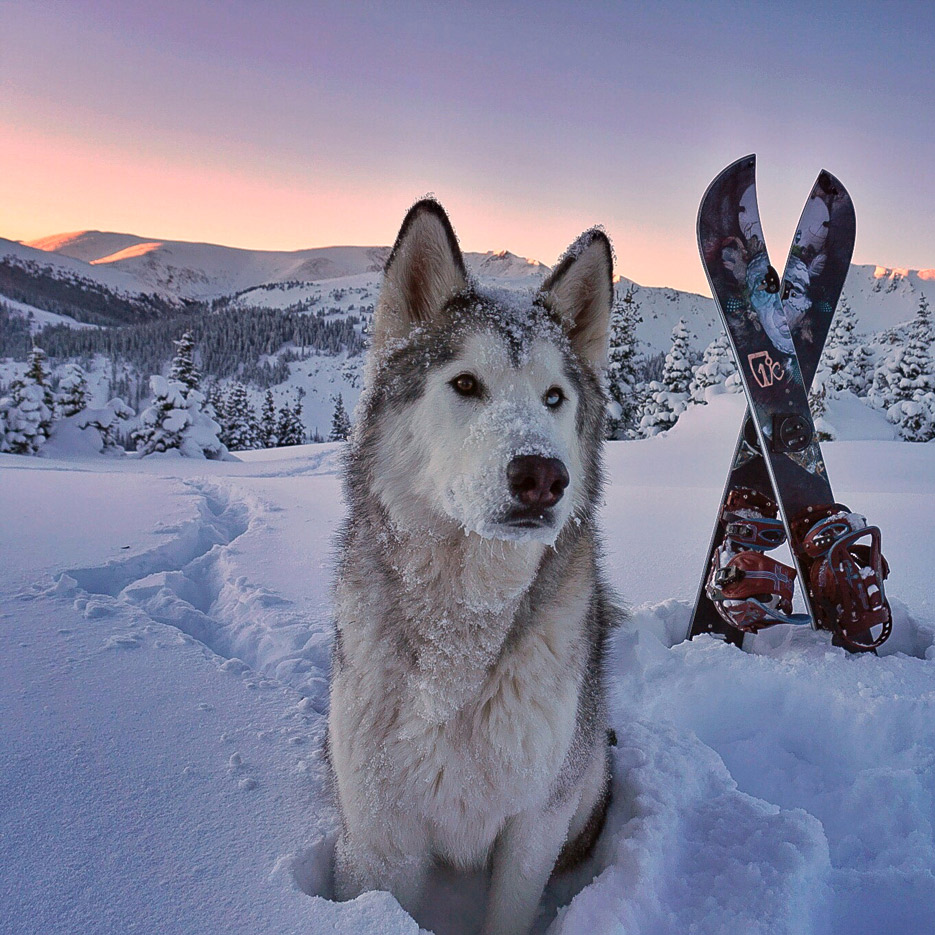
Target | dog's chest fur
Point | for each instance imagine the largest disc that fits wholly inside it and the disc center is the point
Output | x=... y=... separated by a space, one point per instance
x=465 y=687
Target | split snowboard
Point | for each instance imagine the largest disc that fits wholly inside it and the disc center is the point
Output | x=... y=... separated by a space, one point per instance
x=778 y=488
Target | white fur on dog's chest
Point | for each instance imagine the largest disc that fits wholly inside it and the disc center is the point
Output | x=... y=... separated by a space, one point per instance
x=499 y=752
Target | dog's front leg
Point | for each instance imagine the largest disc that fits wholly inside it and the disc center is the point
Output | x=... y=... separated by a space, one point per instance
x=523 y=860
x=374 y=862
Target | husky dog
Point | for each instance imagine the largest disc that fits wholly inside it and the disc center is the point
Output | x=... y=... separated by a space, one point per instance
x=467 y=720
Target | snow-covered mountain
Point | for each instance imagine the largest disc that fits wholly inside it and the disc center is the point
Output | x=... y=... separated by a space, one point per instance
x=112 y=278
x=65 y=266
x=35 y=282
x=178 y=270
x=202 y=270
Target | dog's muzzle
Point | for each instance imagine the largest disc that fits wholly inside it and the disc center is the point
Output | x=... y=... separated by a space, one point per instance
x=536 y=485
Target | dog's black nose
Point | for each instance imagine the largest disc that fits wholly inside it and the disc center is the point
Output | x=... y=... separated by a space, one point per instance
x=536 y=481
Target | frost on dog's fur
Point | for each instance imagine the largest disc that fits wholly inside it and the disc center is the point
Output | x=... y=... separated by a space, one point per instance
x=582 y=293
x=467 y=716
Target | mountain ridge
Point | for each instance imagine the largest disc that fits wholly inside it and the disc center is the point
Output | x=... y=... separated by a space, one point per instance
x=179 y=272
x=201 y=270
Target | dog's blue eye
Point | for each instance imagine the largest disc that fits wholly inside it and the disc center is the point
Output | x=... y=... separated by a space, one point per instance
x=554 y=398
x=466 y=384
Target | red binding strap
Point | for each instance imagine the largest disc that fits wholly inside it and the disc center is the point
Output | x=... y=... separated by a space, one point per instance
x=750 y=590
x=845 y=576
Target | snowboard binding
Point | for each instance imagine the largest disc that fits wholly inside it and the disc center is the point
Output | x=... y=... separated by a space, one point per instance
x=845 y=575
x=749 y=589
x=752 y=591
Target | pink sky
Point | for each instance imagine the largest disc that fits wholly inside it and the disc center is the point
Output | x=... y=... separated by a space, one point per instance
x=291 y=125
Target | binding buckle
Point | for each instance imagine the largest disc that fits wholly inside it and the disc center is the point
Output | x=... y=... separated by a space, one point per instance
x=760 y=533
x=846 y=576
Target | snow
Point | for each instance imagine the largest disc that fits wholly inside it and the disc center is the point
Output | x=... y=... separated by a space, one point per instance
x=40 y=317
x=166 y=635
x=850 y=418
x=66 y=267
x=203 y=270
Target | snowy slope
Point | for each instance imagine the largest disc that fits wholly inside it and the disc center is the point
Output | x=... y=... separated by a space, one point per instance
x=40 y=317
x=165 y=626
x=117 y=280
x=883 y=297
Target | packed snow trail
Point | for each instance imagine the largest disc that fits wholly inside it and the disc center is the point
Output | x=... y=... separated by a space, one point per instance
x=193 y=583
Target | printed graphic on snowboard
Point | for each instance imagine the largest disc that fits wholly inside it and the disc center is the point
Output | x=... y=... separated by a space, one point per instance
x=735 y=256
x=779 y=318
x=817 y=267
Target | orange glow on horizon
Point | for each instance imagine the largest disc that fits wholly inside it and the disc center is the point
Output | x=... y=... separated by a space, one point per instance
x=50 y=184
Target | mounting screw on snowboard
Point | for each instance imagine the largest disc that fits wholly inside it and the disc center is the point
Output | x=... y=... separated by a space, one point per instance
x=771 y=281
x=791 y=432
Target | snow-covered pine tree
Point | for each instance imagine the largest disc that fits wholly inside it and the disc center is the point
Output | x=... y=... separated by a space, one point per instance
x=667 y=400
x=886 y=377
x=299 y=432
x=865 y=359
x=922 y=325
x=915 y=417
x=177 y=420
x=107 y=421
x=655 y=414
x=214 y=402
x=201 y=438
x=842 y=368
x=289 y=427
x=30 y=408
x=267 y=429
x=911 y=380
x=677 y=371
x=73 y=395
x=183 y=369
x=164 y=421
x=622 y=376
x=239 y=428
x=838 y=367
x=716 y=367
x=340 y=421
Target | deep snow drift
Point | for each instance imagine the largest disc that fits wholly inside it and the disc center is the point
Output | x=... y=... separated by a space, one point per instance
x=163 y=683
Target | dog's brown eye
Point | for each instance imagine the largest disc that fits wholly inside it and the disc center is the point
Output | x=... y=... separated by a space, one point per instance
x=466 y=384
x=554 y=398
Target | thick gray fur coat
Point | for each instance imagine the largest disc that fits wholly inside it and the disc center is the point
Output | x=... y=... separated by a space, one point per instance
x=467 y=720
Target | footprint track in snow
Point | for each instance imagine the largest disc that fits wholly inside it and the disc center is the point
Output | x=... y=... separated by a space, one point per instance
x=193 y=582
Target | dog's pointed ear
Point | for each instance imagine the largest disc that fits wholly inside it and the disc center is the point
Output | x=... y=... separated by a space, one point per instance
x=424 y=271
x=580 y=290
